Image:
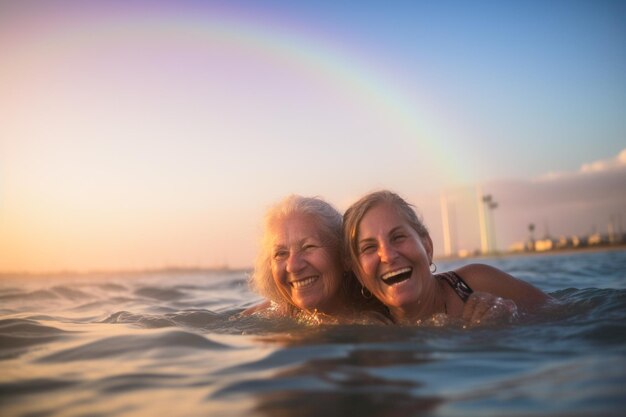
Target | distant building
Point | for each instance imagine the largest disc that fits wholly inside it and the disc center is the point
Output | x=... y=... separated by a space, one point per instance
x=564 y=242
x=546 y=244
x=595 y=239
x=518 y=247
x=568 y=242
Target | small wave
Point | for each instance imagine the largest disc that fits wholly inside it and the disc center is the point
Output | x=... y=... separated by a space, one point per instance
x=37 y=295
x=233 y=284
x=9 y=290
x=70 y=293
x=162 y=294
x=590 y=303
x=312 y=400
x=17 y=334
x=192 y=319
x=605 y=333
x=228 y=322
x=198 y=319
x=112 y=287
x=26 y=326
x=135 y=381
x=12 y=346
x=593 y=386
x=56 y=293
x=142 y=320
x=103 y=304
x=161 y=344
x=34 y=386
x=375 y=403
x=43 y=317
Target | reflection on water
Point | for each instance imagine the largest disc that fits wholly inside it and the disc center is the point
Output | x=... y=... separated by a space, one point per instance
x=375 y=403
x=339 y=334
x=159 y=344
x=346 y=387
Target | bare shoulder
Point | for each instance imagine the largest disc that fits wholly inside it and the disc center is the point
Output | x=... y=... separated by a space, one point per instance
x=263 y=307
x=481 y=277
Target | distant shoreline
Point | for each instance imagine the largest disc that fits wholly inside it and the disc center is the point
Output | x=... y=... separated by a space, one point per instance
x=566 y=251
x=123 y=273
x=204 y=270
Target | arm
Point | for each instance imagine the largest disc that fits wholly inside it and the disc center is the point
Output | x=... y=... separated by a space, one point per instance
x=485 y=308
x=488 y=279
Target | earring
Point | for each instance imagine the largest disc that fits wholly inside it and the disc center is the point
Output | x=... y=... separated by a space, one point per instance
x=433 y=267
x=365 y=293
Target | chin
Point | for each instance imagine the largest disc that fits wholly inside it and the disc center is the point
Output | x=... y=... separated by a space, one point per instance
x=401 y=301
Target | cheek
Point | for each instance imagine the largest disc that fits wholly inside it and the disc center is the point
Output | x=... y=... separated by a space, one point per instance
x=368 y=265
x=325 y=262
x=276 y=272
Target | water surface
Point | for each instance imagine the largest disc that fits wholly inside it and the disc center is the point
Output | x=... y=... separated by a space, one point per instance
x=159 y=344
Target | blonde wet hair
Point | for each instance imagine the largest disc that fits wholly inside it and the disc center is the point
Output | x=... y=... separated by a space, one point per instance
x=354 y=215
x=329 y=221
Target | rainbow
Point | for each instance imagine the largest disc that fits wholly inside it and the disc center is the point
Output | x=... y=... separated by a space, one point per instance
x=301 y=53
x=345 y=73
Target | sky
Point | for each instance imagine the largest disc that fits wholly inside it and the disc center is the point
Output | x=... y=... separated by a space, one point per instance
x=152 y=134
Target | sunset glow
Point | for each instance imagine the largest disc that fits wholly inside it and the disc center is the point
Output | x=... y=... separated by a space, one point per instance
x=155 y=134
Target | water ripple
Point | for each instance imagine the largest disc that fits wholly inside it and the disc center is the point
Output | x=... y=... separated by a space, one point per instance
x=162 y=344
x=18 y=334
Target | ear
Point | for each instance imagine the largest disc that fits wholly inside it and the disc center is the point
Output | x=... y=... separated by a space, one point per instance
x=428 y=245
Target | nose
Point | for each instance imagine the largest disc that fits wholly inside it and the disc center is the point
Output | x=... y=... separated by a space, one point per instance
x=386 y=252
x=295 y=263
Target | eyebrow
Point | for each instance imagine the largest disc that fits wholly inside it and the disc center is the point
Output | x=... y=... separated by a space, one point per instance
x=395 y=229
x=367 y=239
x=300 y=242
x=392 y=231
x=277 y=248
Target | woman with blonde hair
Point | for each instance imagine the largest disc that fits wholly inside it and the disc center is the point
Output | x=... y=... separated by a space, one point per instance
x=391 y=253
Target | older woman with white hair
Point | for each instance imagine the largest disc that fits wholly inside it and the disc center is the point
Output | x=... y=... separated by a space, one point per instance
x=301 y=270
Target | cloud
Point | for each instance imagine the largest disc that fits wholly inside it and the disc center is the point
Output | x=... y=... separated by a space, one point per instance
x=606 y=164
x=615 y=163
x=599 y=181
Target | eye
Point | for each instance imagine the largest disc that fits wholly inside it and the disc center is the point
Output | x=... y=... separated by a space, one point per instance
x=398 y=237
x=308 y=247
x=365 y=249
x=280 y=255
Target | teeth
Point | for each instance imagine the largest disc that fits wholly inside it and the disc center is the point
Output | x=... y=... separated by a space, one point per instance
x=394 y=273
x=303 y=282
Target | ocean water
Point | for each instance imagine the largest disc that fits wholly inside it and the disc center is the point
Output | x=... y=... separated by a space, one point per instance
x=171 y=344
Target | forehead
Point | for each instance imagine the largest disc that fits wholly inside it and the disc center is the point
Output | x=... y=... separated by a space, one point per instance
x=294 y=228
x=382 y=217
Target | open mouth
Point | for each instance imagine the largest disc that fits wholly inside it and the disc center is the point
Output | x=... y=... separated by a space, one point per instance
x=303 y=283
x=397 y=276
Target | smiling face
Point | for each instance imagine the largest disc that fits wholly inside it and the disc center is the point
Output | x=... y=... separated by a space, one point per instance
x=305 y=267
x=394 y=261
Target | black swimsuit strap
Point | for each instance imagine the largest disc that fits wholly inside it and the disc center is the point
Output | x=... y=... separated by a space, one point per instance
x=459 y=286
